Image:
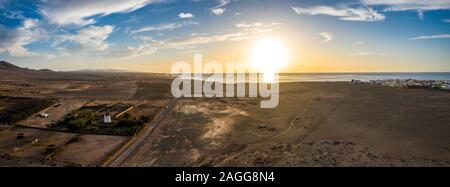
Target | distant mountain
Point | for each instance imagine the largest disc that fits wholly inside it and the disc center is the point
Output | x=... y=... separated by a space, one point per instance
x=8 y=70
x=101 y=70
x=6 y=66
x=46 y=70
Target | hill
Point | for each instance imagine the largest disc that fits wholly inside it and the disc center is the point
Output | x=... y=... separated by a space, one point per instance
x=8 y=69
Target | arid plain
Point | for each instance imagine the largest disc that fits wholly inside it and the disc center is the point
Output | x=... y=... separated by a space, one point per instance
x=315 y=124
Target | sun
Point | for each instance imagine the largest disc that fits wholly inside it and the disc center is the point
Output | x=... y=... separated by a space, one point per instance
x=268 y=56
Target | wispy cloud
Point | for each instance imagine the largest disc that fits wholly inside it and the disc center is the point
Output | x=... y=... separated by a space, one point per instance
x=446 y=20
x=165 y=27
x=420 y=6
x=255 y=24
x=441 y=36
x=362 y=53
x=88 y=39
x=358 y=42
x=220 y=9
x=185 y=15
x=139 y=51
x=151 y=45
x=326 y=36
x=81 y=12
x=12 y=14
x=366 y=53
x=344 y=13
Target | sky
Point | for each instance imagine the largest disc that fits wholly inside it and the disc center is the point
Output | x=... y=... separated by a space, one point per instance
x=151 y=35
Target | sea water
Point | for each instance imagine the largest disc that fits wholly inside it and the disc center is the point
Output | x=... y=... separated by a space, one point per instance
x=337 y=77
x=341 y=77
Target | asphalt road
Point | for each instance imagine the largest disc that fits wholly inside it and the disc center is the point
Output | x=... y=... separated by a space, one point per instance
x=134 y=145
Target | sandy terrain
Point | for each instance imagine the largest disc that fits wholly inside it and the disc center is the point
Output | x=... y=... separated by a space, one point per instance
x=91 y=150
x=315 y=124
x=88 y=151
x=73 y=90
x=148 y=107
x=8 y=141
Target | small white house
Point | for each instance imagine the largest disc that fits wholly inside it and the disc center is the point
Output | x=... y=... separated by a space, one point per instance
x=43 y=115
x=107 y=118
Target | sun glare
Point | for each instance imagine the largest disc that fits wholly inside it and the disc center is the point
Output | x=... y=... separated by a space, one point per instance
x=268 y=56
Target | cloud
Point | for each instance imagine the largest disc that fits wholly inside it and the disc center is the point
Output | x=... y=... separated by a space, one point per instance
x=256 y=24
x=152 y=45
x=14 y=41
x=182 y=43
x=220 y=9
x=185 y=15
x=420 y=6
x=81 y=12
x=12 y=14
x=358 y=42
x=365 y=53
x=139 y=51
x=441 y=36
x=197 y=39
x=344 y=13
x=326 y=36
x=446 y=20
x=88 y=39
x=164 y=27
x=417 y=5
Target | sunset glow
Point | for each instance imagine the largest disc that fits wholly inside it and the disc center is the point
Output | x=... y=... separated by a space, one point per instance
x=268 y=56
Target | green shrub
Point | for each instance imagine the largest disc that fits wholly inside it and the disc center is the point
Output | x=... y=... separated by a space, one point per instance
x=79 y=119
x=77 y=124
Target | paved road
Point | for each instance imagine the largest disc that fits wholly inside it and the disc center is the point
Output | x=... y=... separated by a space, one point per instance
x=136 y=143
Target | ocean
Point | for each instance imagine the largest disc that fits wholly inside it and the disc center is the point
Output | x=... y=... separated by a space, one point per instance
x=337 y=77
x=340 y=77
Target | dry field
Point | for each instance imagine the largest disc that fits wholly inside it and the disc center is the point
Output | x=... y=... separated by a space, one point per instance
x=315 y=124
x=72 y=91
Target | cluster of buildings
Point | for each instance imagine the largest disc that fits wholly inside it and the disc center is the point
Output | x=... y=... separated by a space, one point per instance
x=408 y=83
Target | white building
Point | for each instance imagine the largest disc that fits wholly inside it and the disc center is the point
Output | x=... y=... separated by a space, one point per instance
x=107 y=118
x=44 y=115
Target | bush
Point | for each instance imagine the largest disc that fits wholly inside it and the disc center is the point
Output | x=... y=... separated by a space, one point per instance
x=79 y=120
x=145 y=119
x=130 y=123
x=127 y=116
x=77 y=124
x=131 y=126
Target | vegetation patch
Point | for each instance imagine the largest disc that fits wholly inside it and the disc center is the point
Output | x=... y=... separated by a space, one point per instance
x=23 y=109
x=90 y=120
